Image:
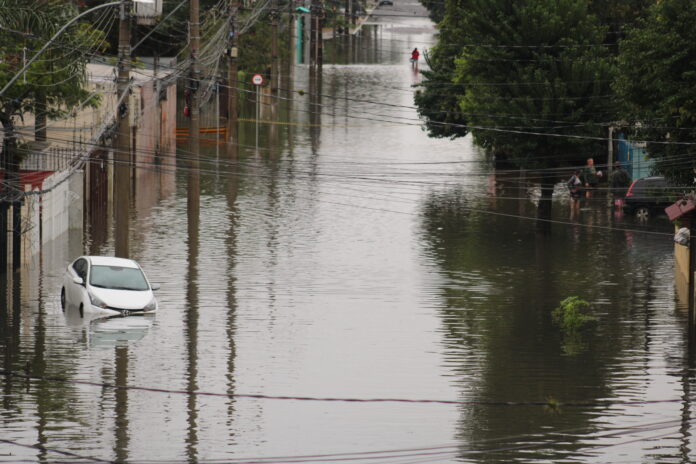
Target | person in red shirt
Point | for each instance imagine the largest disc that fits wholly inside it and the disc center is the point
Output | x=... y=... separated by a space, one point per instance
x=415 y=54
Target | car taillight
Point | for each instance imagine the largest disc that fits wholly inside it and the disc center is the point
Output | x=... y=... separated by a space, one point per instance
x=630 y=189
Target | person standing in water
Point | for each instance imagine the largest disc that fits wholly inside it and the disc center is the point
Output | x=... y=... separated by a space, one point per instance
x=415 y=54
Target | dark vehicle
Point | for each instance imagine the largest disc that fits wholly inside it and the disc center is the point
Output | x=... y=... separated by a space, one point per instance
x=386 y=3
x=648 y=196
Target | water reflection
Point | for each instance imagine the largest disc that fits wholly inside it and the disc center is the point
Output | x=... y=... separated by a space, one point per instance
x=233 y=212
x=191 y=329
x=118 y=331
x=121 y=422
x=503 y=280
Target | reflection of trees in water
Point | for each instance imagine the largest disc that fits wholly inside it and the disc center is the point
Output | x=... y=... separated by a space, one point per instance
x=502 y=279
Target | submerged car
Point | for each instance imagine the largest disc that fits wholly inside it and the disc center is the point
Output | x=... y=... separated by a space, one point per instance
x=107 y=285
x=648 y=196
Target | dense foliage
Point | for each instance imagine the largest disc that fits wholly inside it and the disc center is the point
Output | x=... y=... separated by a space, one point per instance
x=54 y=83
x=436 y=9
x=527 y=78
x=438 y=95
x=656 y=84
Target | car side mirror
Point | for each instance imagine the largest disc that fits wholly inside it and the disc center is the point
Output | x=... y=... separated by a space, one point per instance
x=78 y=280
x=155 y=287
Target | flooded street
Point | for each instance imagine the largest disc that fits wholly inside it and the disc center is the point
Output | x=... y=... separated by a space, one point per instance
x=351 y=257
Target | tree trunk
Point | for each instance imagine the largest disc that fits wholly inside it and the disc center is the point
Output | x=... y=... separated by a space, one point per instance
x=40 y=119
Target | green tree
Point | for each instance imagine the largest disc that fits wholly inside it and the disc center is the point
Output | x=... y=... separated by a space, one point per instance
x=656 y=85
x=532 y=82
x=436 y=9
x=54 y=83
x=437 y=97
x=618 y=16
x=50 y=87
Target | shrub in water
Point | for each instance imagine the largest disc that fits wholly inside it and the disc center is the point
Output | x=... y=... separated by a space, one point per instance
x=570 y=315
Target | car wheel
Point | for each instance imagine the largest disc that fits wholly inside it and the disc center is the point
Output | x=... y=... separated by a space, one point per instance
x=82 y=310
x=642 y=213
x=62 y=299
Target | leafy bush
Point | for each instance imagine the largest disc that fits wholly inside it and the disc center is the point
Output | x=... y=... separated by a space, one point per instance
x=571 y=314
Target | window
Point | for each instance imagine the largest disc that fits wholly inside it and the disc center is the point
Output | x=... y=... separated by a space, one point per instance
x=117 y=277
x=80 y=267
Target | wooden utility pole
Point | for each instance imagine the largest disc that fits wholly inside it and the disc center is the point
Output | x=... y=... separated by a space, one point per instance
x=292 y=40
x=312 y=35
x=320 y=35
x=157 y=89
x=121 y=194
x=194 y=182
x=346 y=18
x=232 y=53
x=315 y=52
x=610 y=153
x=274 y=48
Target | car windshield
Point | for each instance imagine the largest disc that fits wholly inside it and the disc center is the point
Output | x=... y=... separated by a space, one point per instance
x=117 y=277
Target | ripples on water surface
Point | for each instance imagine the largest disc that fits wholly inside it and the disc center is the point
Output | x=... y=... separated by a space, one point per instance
x=353 y=261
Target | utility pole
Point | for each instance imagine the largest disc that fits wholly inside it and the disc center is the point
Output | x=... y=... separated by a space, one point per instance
x=312 y=35
x=315 y=52
x=274 y=49
x=157 y=88
x=346 y=17
x=122 y=148
x=232 y=53
x=320 y=35
x=292 y=40
x=194 y=181
x=610 y=153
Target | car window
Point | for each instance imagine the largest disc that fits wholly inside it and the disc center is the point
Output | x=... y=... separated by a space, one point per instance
x=80 y=267
x=650 y=187
x=117 y=277
x=638 y=187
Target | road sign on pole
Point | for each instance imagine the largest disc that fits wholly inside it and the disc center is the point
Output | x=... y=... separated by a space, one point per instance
x=257 y=80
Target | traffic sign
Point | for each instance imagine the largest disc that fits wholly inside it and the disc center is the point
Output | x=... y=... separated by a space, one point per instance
x=257 y=79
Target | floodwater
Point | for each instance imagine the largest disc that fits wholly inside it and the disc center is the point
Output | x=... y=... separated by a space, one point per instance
x=349 y=256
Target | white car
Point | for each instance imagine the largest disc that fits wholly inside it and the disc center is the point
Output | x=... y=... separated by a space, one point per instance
x=108 y=286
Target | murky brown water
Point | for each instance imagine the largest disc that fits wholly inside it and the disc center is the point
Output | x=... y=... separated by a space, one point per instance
x=351 y=256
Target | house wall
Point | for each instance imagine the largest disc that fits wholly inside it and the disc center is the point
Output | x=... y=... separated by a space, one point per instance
x=49 y=215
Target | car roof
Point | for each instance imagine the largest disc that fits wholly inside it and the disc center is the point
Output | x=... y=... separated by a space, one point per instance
x=111 y=261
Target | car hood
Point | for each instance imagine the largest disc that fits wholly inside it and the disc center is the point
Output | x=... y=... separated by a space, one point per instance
x=123 y=299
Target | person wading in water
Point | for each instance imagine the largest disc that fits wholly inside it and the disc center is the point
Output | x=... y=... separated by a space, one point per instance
x=415 y=54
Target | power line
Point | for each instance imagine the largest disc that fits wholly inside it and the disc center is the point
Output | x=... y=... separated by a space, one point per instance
x=581 y=404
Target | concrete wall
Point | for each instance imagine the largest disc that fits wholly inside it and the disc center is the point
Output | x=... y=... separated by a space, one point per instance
x=49 y=215
x=681 y=272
